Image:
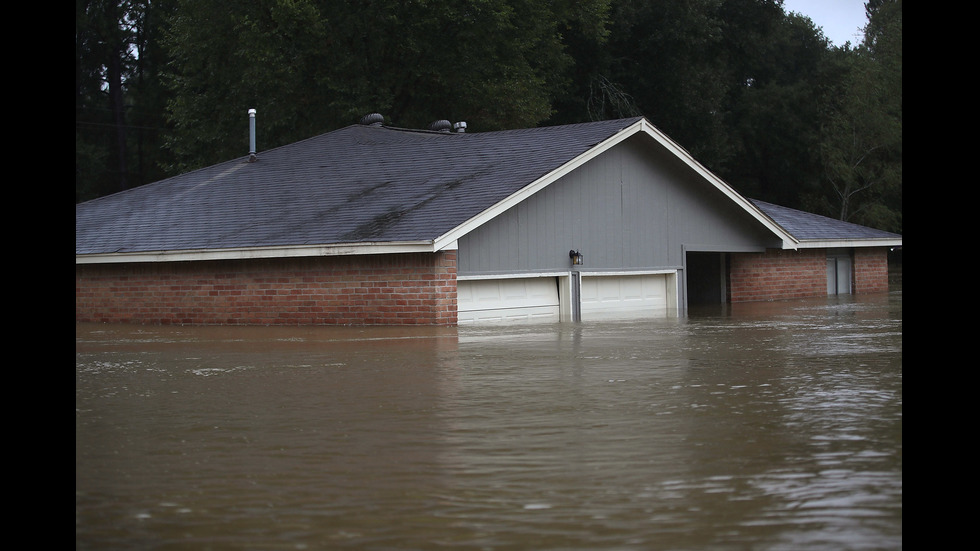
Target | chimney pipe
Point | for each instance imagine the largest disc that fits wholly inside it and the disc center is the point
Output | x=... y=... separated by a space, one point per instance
x=251 y=136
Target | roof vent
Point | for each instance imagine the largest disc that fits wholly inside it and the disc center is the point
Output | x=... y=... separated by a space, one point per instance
x=373 y=119
x=251 y=136
x=441 y=126
x=460 y=127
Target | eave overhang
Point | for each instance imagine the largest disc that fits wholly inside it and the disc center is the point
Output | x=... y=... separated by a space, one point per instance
x=847 y=243
x=296 y=251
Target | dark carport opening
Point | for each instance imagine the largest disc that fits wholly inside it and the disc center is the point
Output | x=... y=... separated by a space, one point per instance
x=707 y=278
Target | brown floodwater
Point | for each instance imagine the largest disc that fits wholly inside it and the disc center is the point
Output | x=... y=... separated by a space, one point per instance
x=767 y=426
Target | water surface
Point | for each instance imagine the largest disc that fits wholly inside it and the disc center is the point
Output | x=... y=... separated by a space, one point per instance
x=768 y=426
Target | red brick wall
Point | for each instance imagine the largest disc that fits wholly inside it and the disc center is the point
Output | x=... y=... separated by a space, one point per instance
x=778 y=274
x=870 y=270
x=396 y=289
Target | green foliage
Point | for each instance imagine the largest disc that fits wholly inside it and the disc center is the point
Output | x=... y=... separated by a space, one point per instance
x=780 y=87
x=229 y=57
x=310 y=66
x=861 y=141
x=665 y=55
x=119 y=100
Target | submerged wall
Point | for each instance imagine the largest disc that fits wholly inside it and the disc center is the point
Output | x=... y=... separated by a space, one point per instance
x=785 y=274
x=871 y=270
x=396 y=289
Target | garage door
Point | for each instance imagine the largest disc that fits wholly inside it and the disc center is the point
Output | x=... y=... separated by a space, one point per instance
x=508 y=300
x=623 y=296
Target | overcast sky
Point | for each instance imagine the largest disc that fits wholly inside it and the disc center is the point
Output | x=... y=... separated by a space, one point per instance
x=841 y=20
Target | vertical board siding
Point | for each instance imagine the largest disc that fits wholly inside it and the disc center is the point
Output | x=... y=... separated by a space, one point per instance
x=629 y=208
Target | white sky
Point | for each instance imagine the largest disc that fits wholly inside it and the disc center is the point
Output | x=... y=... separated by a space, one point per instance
x=841 y=20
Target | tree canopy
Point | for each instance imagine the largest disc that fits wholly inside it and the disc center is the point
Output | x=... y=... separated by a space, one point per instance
x=755 y=93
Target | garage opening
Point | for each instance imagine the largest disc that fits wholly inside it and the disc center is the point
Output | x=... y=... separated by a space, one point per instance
x=707 y=278
x=555 y=298
x=626 y=296
x=514 y=300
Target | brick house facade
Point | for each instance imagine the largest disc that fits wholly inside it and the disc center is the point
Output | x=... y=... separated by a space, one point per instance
x=310 y=234
x=870 y=270
x=778 y=274
x=395 y=289
x=786 y=274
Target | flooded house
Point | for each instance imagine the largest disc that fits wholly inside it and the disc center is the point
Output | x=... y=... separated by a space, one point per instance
x=377 y=225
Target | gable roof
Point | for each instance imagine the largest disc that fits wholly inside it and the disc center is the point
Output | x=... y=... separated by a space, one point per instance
x=359 y=189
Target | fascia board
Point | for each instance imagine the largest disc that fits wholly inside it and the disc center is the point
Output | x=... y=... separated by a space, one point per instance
x=848 y=243
x=644 y=126
x=341 y=249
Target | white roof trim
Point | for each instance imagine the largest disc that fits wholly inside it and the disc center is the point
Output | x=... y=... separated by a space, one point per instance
x=510 y=275
x=261 y=252
x=644 y=126
x=849 y=243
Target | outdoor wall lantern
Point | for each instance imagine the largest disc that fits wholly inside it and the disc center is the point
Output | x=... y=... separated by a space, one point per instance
x=577 y=258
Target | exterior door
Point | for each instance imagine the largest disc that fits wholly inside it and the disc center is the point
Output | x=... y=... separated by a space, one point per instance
x=838 y=274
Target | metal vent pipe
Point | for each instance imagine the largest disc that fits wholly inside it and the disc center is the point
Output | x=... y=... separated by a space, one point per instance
x=251 y=135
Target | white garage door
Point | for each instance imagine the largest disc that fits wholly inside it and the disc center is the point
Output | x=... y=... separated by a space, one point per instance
x=508 y=300
x=623 y=296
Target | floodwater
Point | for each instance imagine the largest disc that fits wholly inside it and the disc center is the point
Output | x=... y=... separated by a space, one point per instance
x=768 y=426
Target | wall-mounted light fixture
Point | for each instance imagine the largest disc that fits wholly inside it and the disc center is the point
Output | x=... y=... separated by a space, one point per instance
x=577 y=258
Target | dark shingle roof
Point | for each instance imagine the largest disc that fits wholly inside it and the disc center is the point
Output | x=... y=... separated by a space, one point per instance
x=359 y=184
x=806 y=226
x=362 y=185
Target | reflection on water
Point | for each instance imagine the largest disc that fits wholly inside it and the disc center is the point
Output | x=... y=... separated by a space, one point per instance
x=764 y=426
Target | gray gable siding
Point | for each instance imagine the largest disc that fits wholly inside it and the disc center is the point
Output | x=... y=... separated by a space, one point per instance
x=634 y=207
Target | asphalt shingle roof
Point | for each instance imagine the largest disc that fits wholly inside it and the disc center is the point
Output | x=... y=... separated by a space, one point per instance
x=359 y=184
x=807 y=226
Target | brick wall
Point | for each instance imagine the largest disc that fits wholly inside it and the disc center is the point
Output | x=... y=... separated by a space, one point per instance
x=778 y=274
x=397 y=289
x=870 y=270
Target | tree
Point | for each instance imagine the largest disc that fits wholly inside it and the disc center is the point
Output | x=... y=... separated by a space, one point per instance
x=309 y=66
x=118 y=95
x=231 y=56
x=660 y=60
x=100 y=58
x=782 y=77
x=861 y=145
